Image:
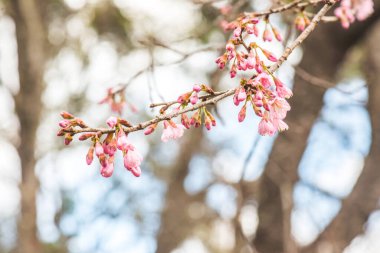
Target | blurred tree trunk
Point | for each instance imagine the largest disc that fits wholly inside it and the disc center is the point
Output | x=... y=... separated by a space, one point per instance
x=176 y=224
x=175 y=219
x=31 y=43
x=364 y=198
x=323 y=53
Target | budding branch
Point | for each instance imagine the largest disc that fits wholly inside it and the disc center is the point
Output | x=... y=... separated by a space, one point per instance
x=217 y=96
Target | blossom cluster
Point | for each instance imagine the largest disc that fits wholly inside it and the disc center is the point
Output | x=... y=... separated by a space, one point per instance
x=263 y=90
x=350 y=10
x=105 y=149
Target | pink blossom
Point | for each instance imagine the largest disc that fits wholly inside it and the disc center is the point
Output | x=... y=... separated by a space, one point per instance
x=282 y=90
x=132 y=161
x=171 y=131
x=363 y=8
x=112 y=121
x=122 y=142
x=110 y=148
x=280 y=125
x=266 y=127
x=107 y=170
x=279 y=108
x=237 y=32
x=351 y=9
x=264 y=79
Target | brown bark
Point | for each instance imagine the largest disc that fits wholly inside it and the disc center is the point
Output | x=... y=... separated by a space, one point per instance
x=357 y=207
x=324 y=51
x=176 y=224
x=31 y=57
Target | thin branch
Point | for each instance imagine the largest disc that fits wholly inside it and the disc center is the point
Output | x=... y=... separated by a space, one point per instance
x=286 y=7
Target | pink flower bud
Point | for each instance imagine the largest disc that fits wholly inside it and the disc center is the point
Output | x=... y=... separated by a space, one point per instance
x=230 y=46
x=221 y=61
x=259 y=95
x=269 y=55
x=107 y=171
x=242 y=114
x=267 y=36
x=103 y=160
x=237 y=32
x=300 y=23
x=68 y=138
x=233 y=71
x=65 y=123
x=90 y=155
x=242 y=95
x=185 y=121
x=85 y=136
x=99 y=149
x=277 y=34
x=197 y=88
x=112 y=121
x=79 y=122
x=136 y=171
x=67 y=115
x=122 y=142
x=194 y=99
x=132 y=159
x=150 y=129
x=110 y=148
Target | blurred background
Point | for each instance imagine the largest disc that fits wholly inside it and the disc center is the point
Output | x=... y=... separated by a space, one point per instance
x=314 y=188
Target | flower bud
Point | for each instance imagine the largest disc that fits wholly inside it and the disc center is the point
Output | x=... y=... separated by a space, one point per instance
x=90 y=155
x=99 y=149
x=67 y=115
x=197 y=88
x=185 y=121
x=68 y=138
x=269 y=55
x=150 y=129
x=194 y=99
x=267 y=35
x=242 y=113
x=65 y=123
x=112 y=121
x=277 y=34
x=85 y=136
